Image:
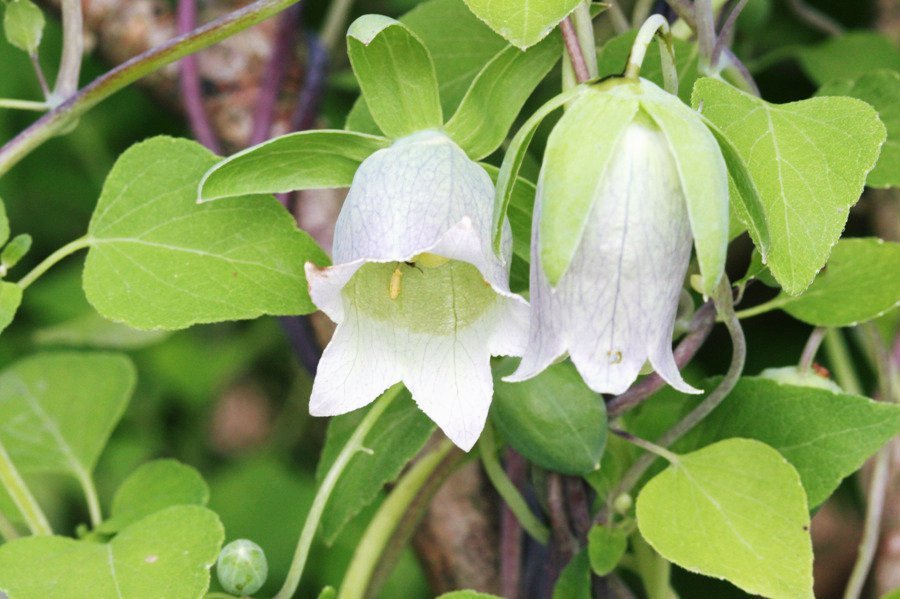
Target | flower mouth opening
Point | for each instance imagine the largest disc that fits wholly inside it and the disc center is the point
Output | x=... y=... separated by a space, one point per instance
x=428 y=293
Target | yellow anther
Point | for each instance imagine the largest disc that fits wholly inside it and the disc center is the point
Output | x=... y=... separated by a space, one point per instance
x=395 y=283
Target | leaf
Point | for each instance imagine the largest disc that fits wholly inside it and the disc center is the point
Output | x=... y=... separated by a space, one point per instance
x=158 y=260
x=606 y=546
x=523 y=24
x=23 y=24
x=579 y=150
x=825 y=435
x=881 y=89
x=809 y=161
x=396 y=75
x=849 y=56
x=613 y=58
x=57 y=410
x=554 y=419
x=92 y=330
x=403 y=432
x=497 y=95
x=4 y=224
x=467 y=595
x=153 y=487
x=519 y=213
x=575 y=580
x=167 y=554
x=734 y=510
x=860 y=283
x=10 y=298
x=14 y=251
x=304 y=160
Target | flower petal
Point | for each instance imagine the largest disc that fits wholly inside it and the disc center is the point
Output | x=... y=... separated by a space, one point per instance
x=357 y=366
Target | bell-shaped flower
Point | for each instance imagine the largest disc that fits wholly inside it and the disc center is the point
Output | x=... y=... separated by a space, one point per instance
x=631 y=179
x=416 y=290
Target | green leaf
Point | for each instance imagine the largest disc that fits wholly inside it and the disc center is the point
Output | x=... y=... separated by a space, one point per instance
x=304 y=160
x=734 y=510
x=4 y=224
x=497 y=95
x=825 y=435
x=23 y=24
x=57 y=410
x=575 y=580
x=515 y=156
x=849 y=56
x=158 y=260
x=606 y=546
x=167 y=554
x=860 y=283
x=396 y=75
x=523 y=24
x=14 y=251
x=328 y=593
x=809 y=161
x=704 y=180
x=613 y=58
x=579 y=150
x=881 y=89
x=153 y=487
x=10 y=298
x=554 y=419
x=92 y=330
x=404 y=431
x=467 y=595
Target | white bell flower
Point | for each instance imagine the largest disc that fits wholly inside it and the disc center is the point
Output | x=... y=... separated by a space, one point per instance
x=416 y=291
x=608 y=264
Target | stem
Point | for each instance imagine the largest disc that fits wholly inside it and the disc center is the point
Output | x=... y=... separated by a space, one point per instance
x=725 y=306
x=646 y=445
x=700 y=327
x=23 y=104
x=189 y=78
x=335 y=24
x=130 y=71
x=655 y=25
x=72 y=52
x=511 y=532
x=354 y=445
x=872 y=527
x=573 y=49
x=773 y=304
x=506 y=488
x=562 y=533
x=310 y=97
x=815 y=18
x=617 y=16
x=811 y=349
x=726 y=32
x=17 y=489
x=90 y=495
x=8 y=532
x=40 y=269
x=282 y=55
x=840 y=362
x=371 y=546
x=640 y=12
x=584 y=28
x=704 y=25
x=654 y=571
x=39 y=73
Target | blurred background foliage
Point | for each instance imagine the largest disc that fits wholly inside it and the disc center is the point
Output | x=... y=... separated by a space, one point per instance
x=230 y=399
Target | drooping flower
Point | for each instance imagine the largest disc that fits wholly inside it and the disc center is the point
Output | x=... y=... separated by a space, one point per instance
x=631 y=178
x=416 y=290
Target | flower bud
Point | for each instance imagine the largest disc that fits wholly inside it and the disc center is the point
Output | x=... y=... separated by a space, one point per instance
x=242 y=568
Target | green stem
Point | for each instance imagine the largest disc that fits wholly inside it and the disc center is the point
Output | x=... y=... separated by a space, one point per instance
x=646 y=445
x=17 y=489
x=654 y=571
x=90 y=495
x=381 y=529
x=14 y=104
x=488 y=450
x=8 y=532
x=872 y=527
x=61 y=117
x=335 y=25
x=808 y=357
x=72 y=51
x=584 y=28
x=49 y=261
x=773 y=304
x=354 y=445
x=655 y=25
x=840 y=362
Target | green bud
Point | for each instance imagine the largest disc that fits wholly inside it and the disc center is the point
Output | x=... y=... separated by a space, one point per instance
x=791 y=375
x=242 y=568
x=14 y=251
x=623 y=503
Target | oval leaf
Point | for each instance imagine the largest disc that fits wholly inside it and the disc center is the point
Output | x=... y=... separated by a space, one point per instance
x=396 y=75
x=158 y=260
x=10 y=298
x=523 y=24
x=23 y=24
x=554 y=419
x=734 y=510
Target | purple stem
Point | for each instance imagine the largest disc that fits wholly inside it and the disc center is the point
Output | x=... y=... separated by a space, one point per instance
x=511 y=531
x=191 y=91
x=310 y=96
x=282 y=54
x=700 y=327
